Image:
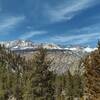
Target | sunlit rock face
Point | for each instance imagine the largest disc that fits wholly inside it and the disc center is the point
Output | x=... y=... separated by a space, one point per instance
x=67 y=60
x=62 y=61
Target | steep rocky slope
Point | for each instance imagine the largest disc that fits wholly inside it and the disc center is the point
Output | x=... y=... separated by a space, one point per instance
x=62 y=60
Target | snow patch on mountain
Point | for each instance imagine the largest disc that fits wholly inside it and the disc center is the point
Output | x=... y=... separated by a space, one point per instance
x=28 y=45
x=88 y=49
x=50 y=46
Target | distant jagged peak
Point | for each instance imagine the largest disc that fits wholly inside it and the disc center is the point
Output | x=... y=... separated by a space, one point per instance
x=22 y=44
x=27 y=44
x=81 y=48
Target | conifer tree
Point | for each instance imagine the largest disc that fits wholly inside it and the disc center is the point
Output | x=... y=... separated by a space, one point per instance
x=92 y=65
x=42 y=79
x=5 y=81
x=78 y=85
x=69 y=86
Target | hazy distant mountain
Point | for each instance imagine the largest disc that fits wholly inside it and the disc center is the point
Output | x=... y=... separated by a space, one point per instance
x=24 y=45
x=28 y=45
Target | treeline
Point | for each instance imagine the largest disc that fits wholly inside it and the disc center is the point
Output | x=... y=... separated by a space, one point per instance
x=23 y=79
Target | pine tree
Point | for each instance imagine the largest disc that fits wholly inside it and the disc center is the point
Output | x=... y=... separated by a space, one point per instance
x=92 y=65
x=42 y=79
x=69 y=86
x=78 y=85
x=5 y=81
x=99 y=46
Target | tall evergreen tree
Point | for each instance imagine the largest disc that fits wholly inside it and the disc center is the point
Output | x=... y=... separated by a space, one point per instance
x=78 y=85
x=69 y=86
x=42 y=79
x=92 y=65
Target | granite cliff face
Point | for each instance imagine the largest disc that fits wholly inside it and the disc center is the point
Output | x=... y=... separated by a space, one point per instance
x=67 y=60
x=62 y=60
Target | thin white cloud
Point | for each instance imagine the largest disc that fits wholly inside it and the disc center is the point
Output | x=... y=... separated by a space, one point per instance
x=7 y=24
x=76 y=39
x=82 y=41
x=78 y=36
x=95 y=28
x=31 y=34
x=67 y=11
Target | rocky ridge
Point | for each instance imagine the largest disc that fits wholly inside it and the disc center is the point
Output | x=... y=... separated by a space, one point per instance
x=64 y=59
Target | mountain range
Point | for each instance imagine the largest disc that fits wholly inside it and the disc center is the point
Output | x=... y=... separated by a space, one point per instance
x=24 y=45
x=64 y=57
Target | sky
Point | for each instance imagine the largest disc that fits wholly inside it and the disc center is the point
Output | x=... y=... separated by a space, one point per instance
x=65 y=22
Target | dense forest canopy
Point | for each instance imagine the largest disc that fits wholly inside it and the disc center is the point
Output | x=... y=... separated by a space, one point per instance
x=24 y=79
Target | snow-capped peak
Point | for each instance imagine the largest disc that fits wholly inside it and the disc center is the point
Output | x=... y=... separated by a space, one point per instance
x=80 y=48
x=25 y=44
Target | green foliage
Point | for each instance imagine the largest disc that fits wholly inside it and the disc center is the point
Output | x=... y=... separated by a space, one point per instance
x=32 y=80
x=92 y=66
x=69 y=86
x=42 y=80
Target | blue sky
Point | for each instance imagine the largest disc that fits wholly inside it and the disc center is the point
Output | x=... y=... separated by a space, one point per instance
x=58 y=21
